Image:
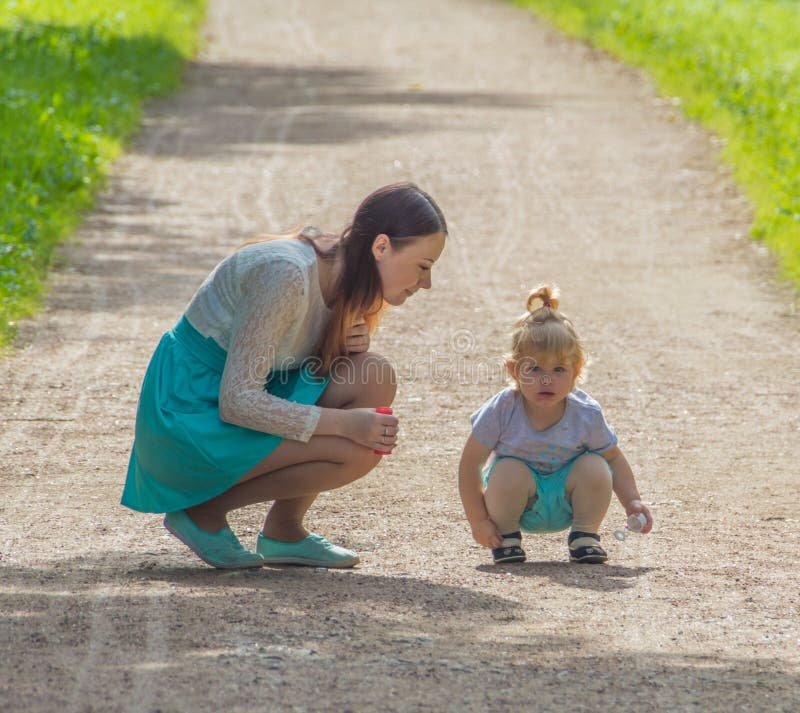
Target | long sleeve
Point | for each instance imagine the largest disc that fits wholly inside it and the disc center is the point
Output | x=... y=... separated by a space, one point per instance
x=275 y=297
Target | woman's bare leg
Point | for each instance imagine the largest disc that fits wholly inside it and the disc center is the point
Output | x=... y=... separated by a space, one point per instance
x=285 y=518
x=294 y=473
x=374 y=386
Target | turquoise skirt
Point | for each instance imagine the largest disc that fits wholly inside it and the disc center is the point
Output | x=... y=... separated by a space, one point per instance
x=183 y=453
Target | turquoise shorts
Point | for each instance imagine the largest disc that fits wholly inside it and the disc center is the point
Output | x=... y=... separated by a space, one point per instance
x=551 y=511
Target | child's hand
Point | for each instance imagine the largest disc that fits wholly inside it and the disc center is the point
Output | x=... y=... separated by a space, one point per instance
x=635 y=507
x=486 y=533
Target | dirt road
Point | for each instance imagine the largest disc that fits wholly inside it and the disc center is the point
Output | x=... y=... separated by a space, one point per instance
x=551 y=163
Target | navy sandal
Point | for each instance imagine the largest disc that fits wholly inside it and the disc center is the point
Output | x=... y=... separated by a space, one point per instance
x=510 y=551
x=584 y=547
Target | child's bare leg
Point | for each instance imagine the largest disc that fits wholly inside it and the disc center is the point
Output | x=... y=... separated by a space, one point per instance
x=510 y=488
x=588 y=490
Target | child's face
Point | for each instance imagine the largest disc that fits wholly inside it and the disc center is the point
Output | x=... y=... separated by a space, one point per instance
x=544 y=379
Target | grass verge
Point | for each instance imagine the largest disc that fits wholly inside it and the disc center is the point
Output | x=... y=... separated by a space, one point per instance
x=73 y=78
x=735 y=66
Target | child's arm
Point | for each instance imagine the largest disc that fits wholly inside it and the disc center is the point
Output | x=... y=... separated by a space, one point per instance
x=473 y=457
x=625 y=486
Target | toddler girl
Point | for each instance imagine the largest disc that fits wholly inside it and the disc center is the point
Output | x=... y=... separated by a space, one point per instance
x=552 y=458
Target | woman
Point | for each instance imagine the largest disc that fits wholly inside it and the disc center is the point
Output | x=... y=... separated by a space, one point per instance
x=265 y=390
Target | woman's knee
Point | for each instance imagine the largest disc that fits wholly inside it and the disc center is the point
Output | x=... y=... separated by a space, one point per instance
x=369 y=378
x=356 y=462
x=378 y=377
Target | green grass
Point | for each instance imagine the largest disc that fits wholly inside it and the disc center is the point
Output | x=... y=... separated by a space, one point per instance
x=73 y=77
x=735 y=65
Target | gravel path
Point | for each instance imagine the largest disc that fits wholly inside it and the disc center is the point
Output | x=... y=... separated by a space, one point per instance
x=552 y=163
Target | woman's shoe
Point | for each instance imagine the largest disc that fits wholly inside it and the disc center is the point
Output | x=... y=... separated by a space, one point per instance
x=219 y=549
x=312 y=551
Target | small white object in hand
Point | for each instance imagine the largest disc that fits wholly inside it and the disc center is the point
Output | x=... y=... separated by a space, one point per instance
x=636 y=523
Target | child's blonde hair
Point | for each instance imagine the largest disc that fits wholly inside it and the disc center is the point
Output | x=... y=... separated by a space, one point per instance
x=545 y=330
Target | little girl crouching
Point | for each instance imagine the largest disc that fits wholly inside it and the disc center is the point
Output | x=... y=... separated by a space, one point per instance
x=553 y=461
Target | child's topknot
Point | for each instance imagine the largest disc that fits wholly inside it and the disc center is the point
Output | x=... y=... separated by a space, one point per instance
x=544 y=329
x=543 y=297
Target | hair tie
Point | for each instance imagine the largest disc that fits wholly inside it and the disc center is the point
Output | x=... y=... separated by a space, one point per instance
x=546 y=303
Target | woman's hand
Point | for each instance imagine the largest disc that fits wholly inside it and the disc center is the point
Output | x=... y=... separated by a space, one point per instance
x=634 y=507
x=486 y=533
x=357 y=338
x=377 y=431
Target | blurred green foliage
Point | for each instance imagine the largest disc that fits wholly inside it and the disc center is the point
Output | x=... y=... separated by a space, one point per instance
x=73 y=76
x=735 y=65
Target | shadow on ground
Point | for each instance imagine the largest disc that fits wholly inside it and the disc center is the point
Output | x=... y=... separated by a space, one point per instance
x=230 y=108
x=603 y=578
x=122 y=624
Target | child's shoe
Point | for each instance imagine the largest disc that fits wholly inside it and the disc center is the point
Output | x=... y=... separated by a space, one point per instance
x=584 y=547
x=510 y=550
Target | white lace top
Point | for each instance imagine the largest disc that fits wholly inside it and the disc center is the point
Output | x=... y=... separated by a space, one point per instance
x=263 y=305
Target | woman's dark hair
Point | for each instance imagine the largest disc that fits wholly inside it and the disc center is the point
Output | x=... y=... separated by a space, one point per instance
x=403 y=212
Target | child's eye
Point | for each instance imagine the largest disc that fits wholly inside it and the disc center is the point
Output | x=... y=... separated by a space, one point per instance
x=425 y=267
x=559 y=369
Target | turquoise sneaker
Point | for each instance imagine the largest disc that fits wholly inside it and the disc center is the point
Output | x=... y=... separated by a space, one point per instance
x=219 y=549
x=312 y=551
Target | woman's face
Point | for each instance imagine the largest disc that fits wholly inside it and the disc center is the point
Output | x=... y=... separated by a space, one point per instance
x=405 y=270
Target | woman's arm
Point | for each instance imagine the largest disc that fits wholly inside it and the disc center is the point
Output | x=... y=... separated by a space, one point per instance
x=275 y=299
x=470 y=488
x=625 y=486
